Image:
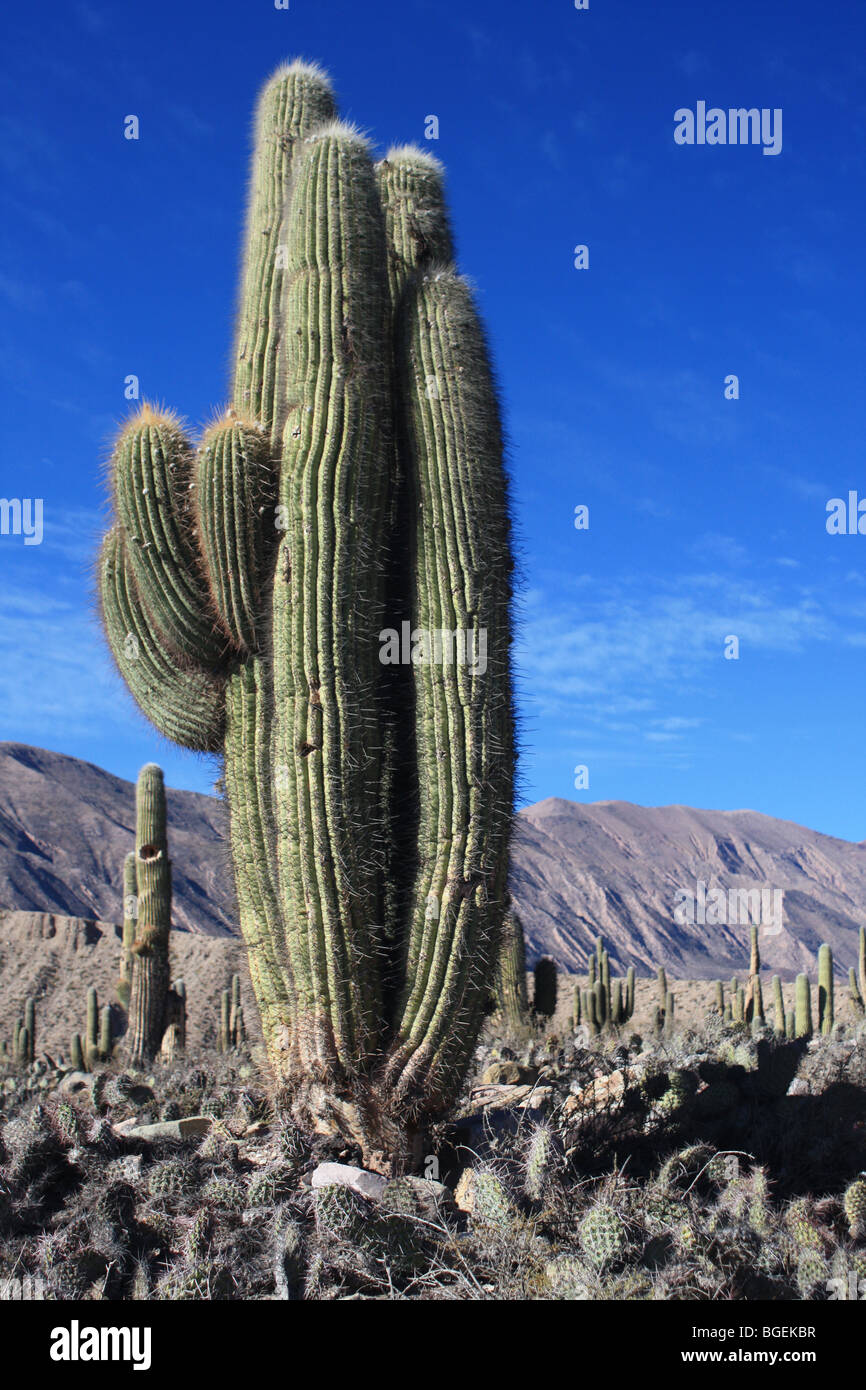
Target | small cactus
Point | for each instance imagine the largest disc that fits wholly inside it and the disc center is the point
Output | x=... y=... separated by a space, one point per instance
x=77 y=1053
x=855 y=1208
x=719 y=1002
x=538 y=1156
x=857 y=1003
x=602 y=1234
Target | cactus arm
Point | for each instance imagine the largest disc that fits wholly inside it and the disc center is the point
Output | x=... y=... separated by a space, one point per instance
x=186 y=705
x=235 y=491
x=153 y=469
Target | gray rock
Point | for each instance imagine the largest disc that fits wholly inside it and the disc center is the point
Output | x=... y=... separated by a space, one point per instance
x=344 y=1175
x=189 y=1128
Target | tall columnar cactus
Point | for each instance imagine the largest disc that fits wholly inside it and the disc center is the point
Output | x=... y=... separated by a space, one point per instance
x=778 y=1006
x=249 y=589
x=825 y=989
x=130 y=914
x=545 y=988
x=91 y=1031
x=858 y=1004
x=174 y=1035
x=510 y=993
x=150 y=967
x=802 y=1008
x=861 y=965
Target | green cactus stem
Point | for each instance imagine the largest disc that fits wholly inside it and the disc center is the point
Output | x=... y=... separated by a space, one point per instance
x=825 y=989
x=105 y=1033
x=630 y=985
x=857 y=1003
x=77 y=1053
x=662 y=986
x=30 y=1027
x=150 y=967
x=91 y=1032
x=546 y=988
x=719 y=1002
x=802 y=1008
x=778 y=1006
x=511 y=999
x=130 y=916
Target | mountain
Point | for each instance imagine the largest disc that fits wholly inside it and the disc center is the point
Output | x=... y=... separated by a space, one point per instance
x=616 y=869
x=66 y=827
x=609 y=868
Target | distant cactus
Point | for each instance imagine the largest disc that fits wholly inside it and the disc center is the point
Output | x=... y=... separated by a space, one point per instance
x=510 y=993
x=790 y=1025
x=576 y=1007
x=105 y=1034
x=662 y=986
x=629 y=991
x=150 y=968
x=857 y=1002
x=778 y=1006
x=825 y=989
x=862 y=964
x=130 y=915
x=669 y=1012
x=719 y=1001
x=30 y=1025
x=757 y=1002
x=545 y=990
x=803 y=1008
x=91 y=1032
x=76 y=1053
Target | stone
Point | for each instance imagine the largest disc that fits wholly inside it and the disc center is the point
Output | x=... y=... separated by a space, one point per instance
x=189 y=1128
x=344 y=1175
x=509 y=1074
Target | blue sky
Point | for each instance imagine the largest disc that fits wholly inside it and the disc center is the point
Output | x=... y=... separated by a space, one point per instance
x=707 y=515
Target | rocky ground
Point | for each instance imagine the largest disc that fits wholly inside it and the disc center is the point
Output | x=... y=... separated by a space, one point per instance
x=711 y=1164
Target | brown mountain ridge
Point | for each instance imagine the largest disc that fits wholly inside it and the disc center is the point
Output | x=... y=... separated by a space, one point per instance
x=611 y=868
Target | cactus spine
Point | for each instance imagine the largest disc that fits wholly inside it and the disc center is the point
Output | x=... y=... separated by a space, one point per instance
x=150 y=971
x=370 y=807
x=825 y=989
